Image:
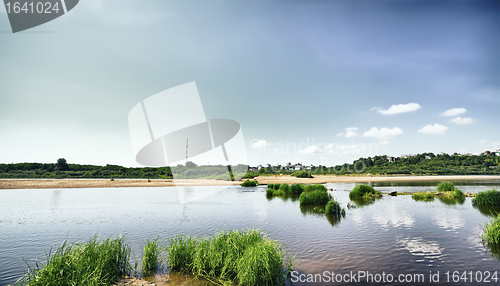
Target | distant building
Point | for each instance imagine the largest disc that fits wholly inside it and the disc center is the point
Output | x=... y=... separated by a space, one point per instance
x=486 y=152
x=289 y=164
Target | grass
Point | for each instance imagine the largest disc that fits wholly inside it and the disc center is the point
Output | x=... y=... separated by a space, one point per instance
x=315 y=187
x=423 y=196
x=491 y=235
x=284 y=188
x=249 y=183
x=333 y=207
x=317 y=197
x=490 y=198
x=446 y=192
x=93 y=263
x=445 y=187
x=296 y=188
x=247 y=257
x=364 y=191
x=302 y=174
x=151 y=256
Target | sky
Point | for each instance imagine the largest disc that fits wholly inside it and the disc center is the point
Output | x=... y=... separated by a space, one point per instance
x=316 y=82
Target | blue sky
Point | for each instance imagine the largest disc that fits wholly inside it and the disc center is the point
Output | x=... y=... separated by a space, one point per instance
x=322 y=82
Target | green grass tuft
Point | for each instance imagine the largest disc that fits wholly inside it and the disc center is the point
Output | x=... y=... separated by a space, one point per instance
x=315 y=187
x=423 y=196
x=269 y=192
x=296 y=188
x=249 y=183
x=490 y=198
x=491 y=235
x=363 y=191
x=96 y=263
x=445 y=187
x=317 y=197
x=151 y=256
x=285 y=188
x=333 y=207
x=248 y=257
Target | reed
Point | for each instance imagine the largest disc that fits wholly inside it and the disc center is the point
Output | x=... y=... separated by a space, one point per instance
x=423 y=196
x=364 y=191
x=151 y=255
x=317 y=197
x=445 y=187
x=314 y=187
x=249 y=183
x=491 y=235
x=333 y=207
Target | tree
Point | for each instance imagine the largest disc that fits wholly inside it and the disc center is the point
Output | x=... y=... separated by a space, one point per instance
x=62 y=165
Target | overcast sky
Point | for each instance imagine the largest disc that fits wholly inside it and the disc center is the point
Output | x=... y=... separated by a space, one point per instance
x=321 y=82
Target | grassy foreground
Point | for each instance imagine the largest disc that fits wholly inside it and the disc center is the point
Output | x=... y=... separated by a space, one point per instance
x=246 y=257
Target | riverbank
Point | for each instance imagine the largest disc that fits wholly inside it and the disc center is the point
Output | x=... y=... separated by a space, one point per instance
x=123 y=183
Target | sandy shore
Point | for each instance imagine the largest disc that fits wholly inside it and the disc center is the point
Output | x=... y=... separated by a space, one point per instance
x=123 y=183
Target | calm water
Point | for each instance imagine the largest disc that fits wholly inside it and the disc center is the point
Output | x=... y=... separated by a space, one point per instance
x=394 y=235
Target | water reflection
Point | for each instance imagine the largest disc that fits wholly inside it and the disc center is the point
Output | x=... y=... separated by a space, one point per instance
x=450 y=220
x=491 y=211
x=422 y=249
x=361 y=202
x=452 y=201
x=309 y=210
x=393 y=217
x=284 y=198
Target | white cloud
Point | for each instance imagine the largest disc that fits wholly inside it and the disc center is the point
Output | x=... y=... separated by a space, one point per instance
x=385 y=142
x=400 y=108
x=340 y=134
x=454 y=112
x=384 y=133
x=350 y=132
x=436 y=129
x=260 y=144
x=310 y=150
x=483 y=141
x=462 y=121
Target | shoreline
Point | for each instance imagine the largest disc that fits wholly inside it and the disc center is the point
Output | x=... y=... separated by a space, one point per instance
x=264 y=180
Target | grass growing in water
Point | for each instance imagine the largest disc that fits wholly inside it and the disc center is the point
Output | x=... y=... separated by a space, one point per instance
x=151 y=255
x=491 y=235
x=296 y=188
x=333 y=207
x=490 y=198
x=249 y=183
x=93 y=263
x=423 y=196
x=317 y=197
x=364 y=191
x=315 y=187
x=246 y=256
x=445 y=187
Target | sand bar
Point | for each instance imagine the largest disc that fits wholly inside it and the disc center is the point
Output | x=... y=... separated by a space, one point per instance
x=123 y=183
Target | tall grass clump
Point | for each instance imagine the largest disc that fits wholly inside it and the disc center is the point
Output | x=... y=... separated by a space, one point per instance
x=296 y=188
x=445 y=187
x=363 y=191
x=95 y=263
x=151 y=255
x=285 y=188
x=423 y=196
x=269 y=192
x=317 y=197
x=249 y=183
x=333 y=207
x=315 y=187
x=490 y=198
x=248 y=257
x=491 y=235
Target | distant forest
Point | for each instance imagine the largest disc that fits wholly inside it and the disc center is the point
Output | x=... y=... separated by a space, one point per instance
x=420 y=164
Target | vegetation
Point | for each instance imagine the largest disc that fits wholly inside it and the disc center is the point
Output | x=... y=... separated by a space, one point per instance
x=491 y=235
x=296 y=189
x=93 y=263
x=363 y=191
x=445 y=187
x=333 y=207
x=490 y=198
x=423 y=196
x=315 y=187
x=248 y=257
x=317 y=197
x=249 y=183
x=302 y=174
x=151 y=256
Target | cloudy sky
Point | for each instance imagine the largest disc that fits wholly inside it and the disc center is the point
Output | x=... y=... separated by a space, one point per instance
x=321 y=82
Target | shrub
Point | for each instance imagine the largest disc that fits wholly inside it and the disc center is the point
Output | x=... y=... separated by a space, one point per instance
x=458 y=194
x=285 y=188
x=296 y=188
x=315 y=187
x=317 y=197
x=490 y=198
x=445 y=187
x=269 y=192
x=302 y=174
x=249 y=183
x=279 y=192
x=151 y=255
x=273 y=186
x=363 y=191
x=423 y=196
x=333 y=207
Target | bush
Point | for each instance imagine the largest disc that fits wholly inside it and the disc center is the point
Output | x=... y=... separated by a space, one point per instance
x=491 y=235
x=458 y=194
x=302 y=174
x=360 y=191
x=315 y=187
x=249 y=183
x=445 y=187
x=296 y=188
x=490 y=198
x=279 y=192
x=317 y=197
x=333 y=207
x=269 y=192
x=423 y=196
x=285 y=188
x=273 y=186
